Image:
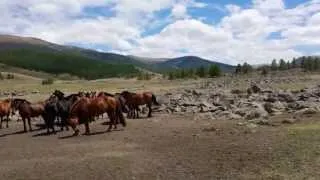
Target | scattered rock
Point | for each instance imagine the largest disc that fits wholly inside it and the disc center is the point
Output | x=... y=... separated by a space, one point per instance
x=307 y=111
x=289 y=121
x=236 y=91
x=35 y=92
x=210 y=129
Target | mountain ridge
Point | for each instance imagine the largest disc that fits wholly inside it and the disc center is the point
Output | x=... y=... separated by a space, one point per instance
x=159 y=65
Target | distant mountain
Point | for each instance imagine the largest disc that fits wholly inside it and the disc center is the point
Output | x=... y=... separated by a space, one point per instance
x=40 y=53
x=188 y=62
x=148 y=60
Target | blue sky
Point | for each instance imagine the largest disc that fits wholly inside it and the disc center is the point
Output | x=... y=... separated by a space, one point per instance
x=229 y=31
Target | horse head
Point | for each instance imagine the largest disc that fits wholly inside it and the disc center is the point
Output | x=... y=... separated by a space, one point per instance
x=125 y=94
x=58 y=93
x=16 y=103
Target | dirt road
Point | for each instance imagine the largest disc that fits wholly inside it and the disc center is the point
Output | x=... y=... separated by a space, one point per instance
x=162 y=147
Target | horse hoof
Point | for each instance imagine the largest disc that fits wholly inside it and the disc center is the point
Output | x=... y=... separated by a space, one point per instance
x=76 y=133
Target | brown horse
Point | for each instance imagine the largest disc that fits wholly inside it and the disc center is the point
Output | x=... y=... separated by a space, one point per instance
x=134 y=100
x=84 y=110
x=121 y=106
x=5 y=110
x=27 y=110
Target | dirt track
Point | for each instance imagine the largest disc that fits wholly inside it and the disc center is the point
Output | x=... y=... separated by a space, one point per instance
x=163 y=147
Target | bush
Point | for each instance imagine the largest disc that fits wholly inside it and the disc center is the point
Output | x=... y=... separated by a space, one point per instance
x=47 y=81
x=10 y=76
x=144 y=76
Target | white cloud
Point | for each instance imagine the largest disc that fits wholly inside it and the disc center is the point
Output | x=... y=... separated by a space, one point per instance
x=179 y=11
x=241 y=35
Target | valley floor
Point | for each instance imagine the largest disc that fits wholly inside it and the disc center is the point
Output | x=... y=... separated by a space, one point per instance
x=165 y=147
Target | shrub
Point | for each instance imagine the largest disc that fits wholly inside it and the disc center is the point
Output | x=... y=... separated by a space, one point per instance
x=10 y=76
x=47 y=81
x=144 y=76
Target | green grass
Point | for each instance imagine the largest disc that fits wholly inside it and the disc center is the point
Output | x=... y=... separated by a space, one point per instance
x=298 y=155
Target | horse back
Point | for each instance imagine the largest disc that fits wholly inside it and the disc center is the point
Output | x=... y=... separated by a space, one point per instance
x=5 y=107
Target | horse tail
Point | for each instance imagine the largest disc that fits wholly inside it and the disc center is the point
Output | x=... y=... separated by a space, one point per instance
x=154 y=100
x=119 y=115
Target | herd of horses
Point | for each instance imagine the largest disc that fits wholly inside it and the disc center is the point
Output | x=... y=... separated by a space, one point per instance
x=78 y=108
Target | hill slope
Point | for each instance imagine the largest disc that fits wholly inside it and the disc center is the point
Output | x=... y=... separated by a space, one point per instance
x=36 y=54
x=56 y=59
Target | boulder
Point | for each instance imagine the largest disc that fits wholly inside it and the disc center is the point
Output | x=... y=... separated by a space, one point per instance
x=286 y=97
x=307 y=111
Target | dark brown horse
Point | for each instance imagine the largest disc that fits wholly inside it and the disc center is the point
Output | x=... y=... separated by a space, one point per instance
x=84 y=110
x=5 y=110
x=134 y=100
x=28 y=110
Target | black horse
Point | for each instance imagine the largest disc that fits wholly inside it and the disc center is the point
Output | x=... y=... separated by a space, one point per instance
x=51 y=113
x=63 y=105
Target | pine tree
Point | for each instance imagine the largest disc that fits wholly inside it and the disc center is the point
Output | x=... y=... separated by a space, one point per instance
x=264 y=71
x=294 y=63
x=303 y=62
x=246 y=68
x=288 y=65
x=316 y=64
x=274 y=65
x=238 y=69
x=201 y=72
x=214 y=71
x=282 y=65
x=171 y=76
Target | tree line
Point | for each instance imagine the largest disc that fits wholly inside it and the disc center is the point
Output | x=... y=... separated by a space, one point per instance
x=59 y=63
x=308 y=63
x=200 y=72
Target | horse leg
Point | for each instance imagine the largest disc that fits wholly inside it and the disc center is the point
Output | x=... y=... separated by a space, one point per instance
x=87 y=128
x=1 y=122
x=150 y=110
x=52 y=124
x=115 y=117
x=29 y=123
x=111 y=121
x=7 y=121
x=24 y=124
x=74 y=127
x=66 y=125
x=137 y=110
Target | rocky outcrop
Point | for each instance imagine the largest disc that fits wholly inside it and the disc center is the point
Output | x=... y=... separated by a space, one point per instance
x=256 y=103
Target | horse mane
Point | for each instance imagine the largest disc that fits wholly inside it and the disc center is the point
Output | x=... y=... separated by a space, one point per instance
x=108 y=94
x=21 y=100
x=127 y=92
x=71 y=96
